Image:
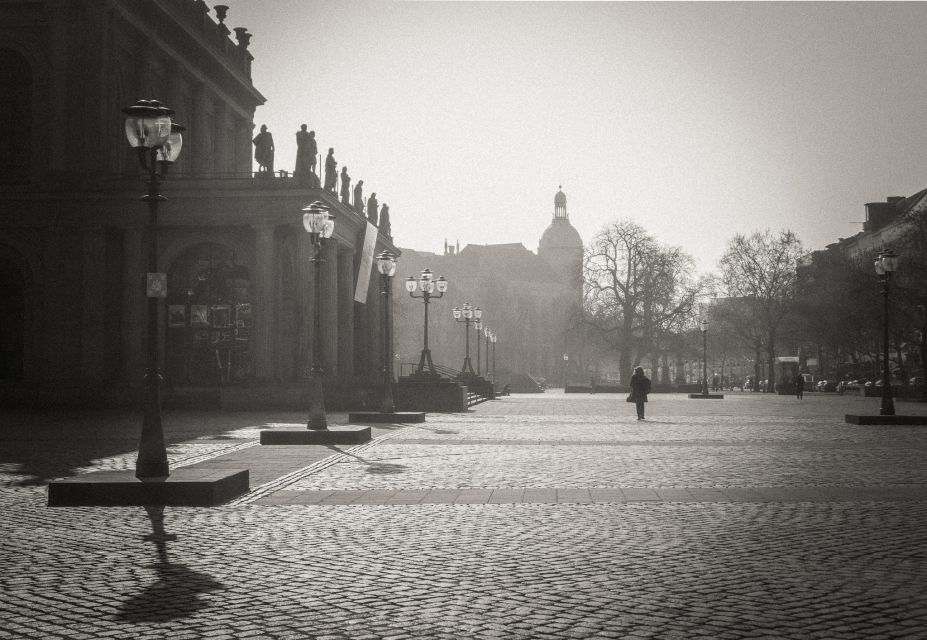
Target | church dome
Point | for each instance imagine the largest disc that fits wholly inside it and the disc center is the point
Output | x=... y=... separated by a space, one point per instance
x=560 y=234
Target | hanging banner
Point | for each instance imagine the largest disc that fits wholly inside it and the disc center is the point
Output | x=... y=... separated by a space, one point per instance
x=366 y=264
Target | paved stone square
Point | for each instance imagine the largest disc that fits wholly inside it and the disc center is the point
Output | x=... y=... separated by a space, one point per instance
x=546 y=516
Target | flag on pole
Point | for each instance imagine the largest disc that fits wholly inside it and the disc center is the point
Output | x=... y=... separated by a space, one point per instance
x=366 y=264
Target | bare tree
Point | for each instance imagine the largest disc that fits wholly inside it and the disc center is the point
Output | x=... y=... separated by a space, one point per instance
x=761 y=269
x=636 y=290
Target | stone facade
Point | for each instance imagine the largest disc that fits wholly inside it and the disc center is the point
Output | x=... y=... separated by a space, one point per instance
x=73 y=233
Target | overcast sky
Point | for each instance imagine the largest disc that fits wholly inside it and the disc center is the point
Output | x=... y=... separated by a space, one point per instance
x=698 y=120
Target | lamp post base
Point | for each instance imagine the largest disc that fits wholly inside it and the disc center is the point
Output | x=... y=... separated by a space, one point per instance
x=347 y=434
x=187 y=486
x=893 y=419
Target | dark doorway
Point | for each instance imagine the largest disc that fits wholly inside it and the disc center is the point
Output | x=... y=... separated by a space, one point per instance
x=12 y=311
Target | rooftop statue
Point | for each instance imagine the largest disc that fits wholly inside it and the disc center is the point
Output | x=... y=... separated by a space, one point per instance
x=359 y=196
x=345 y=186
x=372 y=208
x=306 y=151
x=264 y=151
x=331 y=168
x=384 y=220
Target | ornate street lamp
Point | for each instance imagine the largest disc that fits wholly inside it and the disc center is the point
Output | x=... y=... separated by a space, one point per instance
x=157 y=138
x=885 y=266
x=428 y=286
x=320 y=224
x=386 y=265
x=466 y=314
x=704 y=328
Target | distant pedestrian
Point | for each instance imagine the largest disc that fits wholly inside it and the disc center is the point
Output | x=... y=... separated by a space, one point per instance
x=799 y=387
x=640 y=387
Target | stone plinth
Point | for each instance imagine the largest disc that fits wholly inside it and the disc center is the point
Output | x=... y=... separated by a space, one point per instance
x=440 y=396
x=377 y=417
x=709 y=396
x=190 y=487
x=342 y=434
x=899 y=420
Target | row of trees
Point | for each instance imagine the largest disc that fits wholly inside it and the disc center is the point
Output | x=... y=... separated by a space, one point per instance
x=642 y=299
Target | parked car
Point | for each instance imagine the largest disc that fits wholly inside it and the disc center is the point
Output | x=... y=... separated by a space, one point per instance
x=826 y=385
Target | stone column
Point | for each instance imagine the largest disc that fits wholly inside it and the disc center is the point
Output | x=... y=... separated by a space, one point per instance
x=330 y=329
x=305 y=303
x=245 y=151
x=264 y=310
x=93 y=311
x=201 y=138
x=346 y=314
x=374 y=329
x=223 y=147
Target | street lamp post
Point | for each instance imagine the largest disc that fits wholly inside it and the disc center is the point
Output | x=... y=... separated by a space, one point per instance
x=885 y=266
x=923 y=350
x=320 y=224
x=478 y=325
x=704 y=327
x=386 y=265
x=466 y=314
x=428 y=286
x=494 y=339
x=487 y=335
x=150 y=130
x=566 y=361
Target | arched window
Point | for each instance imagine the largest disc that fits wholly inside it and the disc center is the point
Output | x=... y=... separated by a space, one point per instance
x=15 y=117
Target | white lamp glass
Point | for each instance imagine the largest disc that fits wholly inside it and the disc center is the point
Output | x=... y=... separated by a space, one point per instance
x=889 y=261
x=171 y=148
x=442 y=284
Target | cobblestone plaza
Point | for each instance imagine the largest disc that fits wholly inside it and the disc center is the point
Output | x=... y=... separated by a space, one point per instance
x=543 y=516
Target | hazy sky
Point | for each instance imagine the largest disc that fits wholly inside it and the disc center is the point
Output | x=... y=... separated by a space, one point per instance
x=698 y=120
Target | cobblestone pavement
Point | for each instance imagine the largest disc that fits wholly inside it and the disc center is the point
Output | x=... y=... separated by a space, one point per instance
x=529 y=517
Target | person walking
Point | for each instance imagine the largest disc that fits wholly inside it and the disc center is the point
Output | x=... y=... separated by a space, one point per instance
x=640 y=387
x=799 y=387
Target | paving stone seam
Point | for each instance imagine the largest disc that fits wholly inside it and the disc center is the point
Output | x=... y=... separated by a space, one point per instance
x=554 y=495
x=203 y=457
x=655 y=443
x=295 y=476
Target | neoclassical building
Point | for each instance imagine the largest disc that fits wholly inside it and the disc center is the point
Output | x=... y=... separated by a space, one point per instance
x=73 y=232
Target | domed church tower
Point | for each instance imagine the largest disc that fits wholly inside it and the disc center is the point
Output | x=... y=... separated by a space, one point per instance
x=560 y=246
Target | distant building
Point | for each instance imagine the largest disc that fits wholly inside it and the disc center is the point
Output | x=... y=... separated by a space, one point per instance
x=528 y=299
x=885 y=227
x=73 y=233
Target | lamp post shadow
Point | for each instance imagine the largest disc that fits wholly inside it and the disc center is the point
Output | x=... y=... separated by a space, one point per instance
x=175 y=594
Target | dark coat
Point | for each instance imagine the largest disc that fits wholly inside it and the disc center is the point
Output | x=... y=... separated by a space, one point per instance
x=640 y=387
